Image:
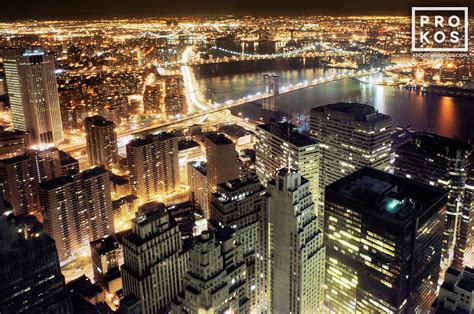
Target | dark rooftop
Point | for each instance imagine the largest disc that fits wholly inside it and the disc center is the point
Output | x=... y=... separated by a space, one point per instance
x=186 y=144
x=99 y=121
x=124 y=200
x=432 y=144
x=467 y=280
x=359 y=112
x=14 y=160
x=109 y=243
x=55 y=183
x=90 y=173
x=288 y=132
x=150 y=138
x=218 y=138
x=386 y=195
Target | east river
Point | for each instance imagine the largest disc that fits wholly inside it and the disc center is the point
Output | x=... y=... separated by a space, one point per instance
x=447 y=116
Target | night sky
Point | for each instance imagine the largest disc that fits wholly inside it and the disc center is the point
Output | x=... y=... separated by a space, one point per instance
x=78 y=9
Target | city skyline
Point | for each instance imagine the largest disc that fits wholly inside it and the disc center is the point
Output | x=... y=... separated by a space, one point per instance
x=234 y=163
x=148 y=8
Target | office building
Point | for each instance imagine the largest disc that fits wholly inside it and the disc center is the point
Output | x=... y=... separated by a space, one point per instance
x=154 y=262
x=21 y=175
x=153 y=166
x=456 y=294
x=383 y=237
x=222 y=164
x=449 y=164
x=198 y=185
x=107 y=257
x=216 y=279
x=29 y=267
x=77 y=209
x=295 y=271
x=242 y=206
x=174 y=99
x=33 y=93
x=280 y=145
x=351 y=136
x=101 y=139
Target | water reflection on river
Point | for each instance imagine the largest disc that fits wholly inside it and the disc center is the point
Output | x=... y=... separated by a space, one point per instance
x=447 y=116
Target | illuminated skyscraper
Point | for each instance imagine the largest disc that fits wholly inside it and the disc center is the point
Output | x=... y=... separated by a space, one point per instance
x=33 y=93
x=216 y=278
x=29 y=267
x=383 y=237
x=447 y=163
x=281 y=145
x=153 y=166
x=20 y=176
x=242 y=206
x=295 y=276
x=101 y=142
x=154 y=263
x=222 y=163
x=77 y=209
x=351 y=136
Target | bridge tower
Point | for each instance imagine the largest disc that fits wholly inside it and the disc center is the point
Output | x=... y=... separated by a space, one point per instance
x=272 y=86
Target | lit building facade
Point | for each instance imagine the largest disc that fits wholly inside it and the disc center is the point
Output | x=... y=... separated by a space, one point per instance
x=154 y=263
x=21 y=175
x=77 y=209
x=449 y=164
x=281 y=145
x=153 y=166
x=29 y=267
x=33 y=93
x=102 y=148
x=242 y=206
x=216 y=278
x=295 y=271
x=383 y=237
x=351 y=136
x=222 y=160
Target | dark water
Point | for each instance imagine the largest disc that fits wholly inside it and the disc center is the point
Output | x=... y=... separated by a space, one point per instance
x=447 y=116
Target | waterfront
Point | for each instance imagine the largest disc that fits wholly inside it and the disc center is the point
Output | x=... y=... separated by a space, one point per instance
x=447 y=116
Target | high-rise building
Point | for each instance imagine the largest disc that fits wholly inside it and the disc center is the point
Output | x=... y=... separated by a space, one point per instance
x=383 y=237
x=280 y=145
x=295 y=272
x=29 y=267
x=351 y=136
x=216 y=278
x=456 y=294
x=77 y=209
x=272 y=87
x=242 y=206
x=222 y=164
x=153 y=166
x=198 y=185
x=174 y=99
x=154 y=262
x=17 y=179
x=107 y=258
x=33 y=93
x=447 y=163
x=101 y=139
x=21 y=175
